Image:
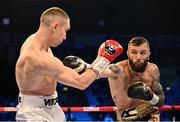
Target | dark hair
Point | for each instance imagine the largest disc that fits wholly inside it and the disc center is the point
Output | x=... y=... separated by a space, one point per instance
x=137 y=41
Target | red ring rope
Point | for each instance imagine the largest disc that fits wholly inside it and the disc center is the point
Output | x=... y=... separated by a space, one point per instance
x=92 y=109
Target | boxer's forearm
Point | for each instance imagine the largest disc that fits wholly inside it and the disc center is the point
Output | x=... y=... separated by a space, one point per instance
x=161 y=101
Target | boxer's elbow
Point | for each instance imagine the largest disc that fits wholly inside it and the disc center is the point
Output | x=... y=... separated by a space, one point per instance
x=81 y=85
x=82 y=88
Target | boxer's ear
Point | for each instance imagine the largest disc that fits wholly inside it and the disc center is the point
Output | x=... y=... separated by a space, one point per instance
x=127 y=52
x=149 y=55
x=55 y=25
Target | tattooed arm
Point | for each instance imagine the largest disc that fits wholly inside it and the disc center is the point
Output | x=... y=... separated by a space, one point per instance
x=113 y=71
x=156 y=86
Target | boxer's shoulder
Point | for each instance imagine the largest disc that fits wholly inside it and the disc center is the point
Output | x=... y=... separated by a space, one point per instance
x=152 y=68
x=123 y=63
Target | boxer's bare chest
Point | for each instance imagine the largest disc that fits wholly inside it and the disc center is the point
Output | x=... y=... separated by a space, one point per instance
x=39 y=82
x=120 y=85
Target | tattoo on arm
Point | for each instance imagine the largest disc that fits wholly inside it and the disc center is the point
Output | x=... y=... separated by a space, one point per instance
x=157 y=88
x=115 y=69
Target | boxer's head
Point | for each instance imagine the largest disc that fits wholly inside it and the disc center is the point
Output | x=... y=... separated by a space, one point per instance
x=56 y=22
x=53 y=14
x=138 y=53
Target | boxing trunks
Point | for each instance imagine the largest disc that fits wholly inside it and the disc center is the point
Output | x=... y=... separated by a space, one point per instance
x=140 y=113
x=39 y=108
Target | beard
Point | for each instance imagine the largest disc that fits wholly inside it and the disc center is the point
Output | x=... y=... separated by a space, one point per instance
x=138 y=69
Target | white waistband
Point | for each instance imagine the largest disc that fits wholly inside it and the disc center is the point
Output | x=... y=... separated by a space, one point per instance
x=38 y=101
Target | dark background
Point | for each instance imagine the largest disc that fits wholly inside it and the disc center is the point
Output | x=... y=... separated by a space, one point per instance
x=124 y=16
x=92 y=22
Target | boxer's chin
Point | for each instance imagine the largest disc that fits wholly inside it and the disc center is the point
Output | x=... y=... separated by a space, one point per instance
x=135 y=68
x=55 y=45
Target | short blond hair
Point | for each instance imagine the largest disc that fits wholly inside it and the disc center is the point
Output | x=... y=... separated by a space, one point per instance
x=53 y=13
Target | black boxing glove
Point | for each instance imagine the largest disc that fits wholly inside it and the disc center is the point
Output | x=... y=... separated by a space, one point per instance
x=75 y=63
x=141 y=91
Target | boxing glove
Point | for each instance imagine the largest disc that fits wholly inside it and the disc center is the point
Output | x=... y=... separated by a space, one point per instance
x=107 y=52
x=141 y=91
x=110 y=50
x=75 y=63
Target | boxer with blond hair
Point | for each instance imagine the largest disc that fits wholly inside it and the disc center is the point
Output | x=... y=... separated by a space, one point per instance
x=38 y=71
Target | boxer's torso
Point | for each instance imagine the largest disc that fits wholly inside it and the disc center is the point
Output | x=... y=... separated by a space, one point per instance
x=31 y=80
x=119 y=85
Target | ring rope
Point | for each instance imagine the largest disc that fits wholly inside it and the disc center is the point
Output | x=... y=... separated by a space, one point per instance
x=94 y=109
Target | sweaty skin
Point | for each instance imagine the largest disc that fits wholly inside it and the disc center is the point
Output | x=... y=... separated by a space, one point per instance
x=127 y=72
x=36 y=82
x=121 y=76
x=119 y=84
x=38 y=71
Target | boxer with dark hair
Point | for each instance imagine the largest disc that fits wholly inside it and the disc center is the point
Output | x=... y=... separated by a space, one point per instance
x=135 y=84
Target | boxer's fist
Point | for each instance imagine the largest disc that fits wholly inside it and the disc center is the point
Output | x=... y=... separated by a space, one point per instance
x=107 y=52
x=75 y=63
x=141 y=91
x=110 y=50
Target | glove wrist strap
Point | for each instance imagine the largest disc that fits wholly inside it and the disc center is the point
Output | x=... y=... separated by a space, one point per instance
x=154 y=100
x=100 y=64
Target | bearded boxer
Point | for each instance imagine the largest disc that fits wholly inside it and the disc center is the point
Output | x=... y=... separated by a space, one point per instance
x=135 y=84
x=38 y=71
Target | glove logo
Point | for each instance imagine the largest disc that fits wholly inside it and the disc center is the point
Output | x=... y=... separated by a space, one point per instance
x=146 y=91
x=110 y=49
x=75 y=63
